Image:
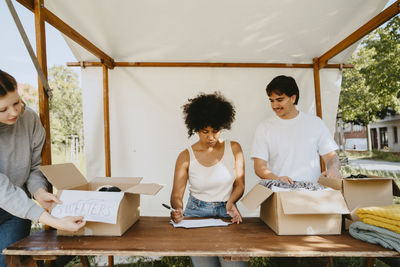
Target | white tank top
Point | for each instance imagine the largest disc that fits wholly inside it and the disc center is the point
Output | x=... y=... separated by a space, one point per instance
x=212 y=183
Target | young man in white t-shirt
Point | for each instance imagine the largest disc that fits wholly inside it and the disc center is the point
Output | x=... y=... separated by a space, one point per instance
x=287 y=146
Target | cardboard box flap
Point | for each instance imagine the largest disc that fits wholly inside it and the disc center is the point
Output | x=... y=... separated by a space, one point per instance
x=63 y=176
x=124 y=183
x=145 y=189
x=368 y=179
x=313 y=202
x=333 y=183
x=396 y=189
x=363 y=193
x=256 y=196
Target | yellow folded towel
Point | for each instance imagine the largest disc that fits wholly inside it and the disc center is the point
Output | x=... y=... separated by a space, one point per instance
x=387 y=217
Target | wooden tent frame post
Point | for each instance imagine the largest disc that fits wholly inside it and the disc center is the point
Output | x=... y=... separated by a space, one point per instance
x=40 y=32
x=318 y=106
x=107 y=134
x=106 y=122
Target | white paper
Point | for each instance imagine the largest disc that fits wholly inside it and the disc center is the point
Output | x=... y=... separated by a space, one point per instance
x=200 y=223
x=93 y=206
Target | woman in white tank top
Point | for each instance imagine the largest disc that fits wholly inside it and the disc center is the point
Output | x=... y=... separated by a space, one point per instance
x=213 y=167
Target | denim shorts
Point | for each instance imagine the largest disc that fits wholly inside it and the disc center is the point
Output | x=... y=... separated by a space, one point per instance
x=198 y=208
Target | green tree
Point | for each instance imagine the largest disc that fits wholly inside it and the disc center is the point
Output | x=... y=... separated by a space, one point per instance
x=30 y=96
x=65 y=106
x=371 y=90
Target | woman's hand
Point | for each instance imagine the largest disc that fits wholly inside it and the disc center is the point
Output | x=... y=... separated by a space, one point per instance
x=71 y=223
x=68 y=223
x=45 y=199
x=232 y=210
x=177 y=215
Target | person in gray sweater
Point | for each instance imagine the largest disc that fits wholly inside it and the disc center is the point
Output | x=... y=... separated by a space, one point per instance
x=21 y=140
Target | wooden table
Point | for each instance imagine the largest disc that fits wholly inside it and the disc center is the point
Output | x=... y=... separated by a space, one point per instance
x=154 y=236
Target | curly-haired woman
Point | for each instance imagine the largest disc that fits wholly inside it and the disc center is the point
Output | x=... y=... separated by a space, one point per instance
x=213 y=167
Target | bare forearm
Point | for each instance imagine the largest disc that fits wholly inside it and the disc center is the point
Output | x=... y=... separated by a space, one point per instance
x=262 y=171
x=333 y=163
x=176 y=202
x=265 y=173
x=237 y=192
x=46 y=218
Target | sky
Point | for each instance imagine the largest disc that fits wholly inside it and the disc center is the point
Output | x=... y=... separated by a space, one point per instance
x=14 y=57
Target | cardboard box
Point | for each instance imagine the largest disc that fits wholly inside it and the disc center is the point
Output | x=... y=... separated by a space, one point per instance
x=298 y=212
x=364 y=192
x=67 y=177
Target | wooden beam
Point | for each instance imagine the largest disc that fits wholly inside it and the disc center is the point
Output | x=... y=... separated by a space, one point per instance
x=106 y=122
x=107 y=151
x=29 y=4
x=110 y=261
x=43 y=100
x=64 y=28
x=317 y=90
x=85 y=64
x=371 y=25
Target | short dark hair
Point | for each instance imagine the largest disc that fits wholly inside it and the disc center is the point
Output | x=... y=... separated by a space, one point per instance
x=283 y=85
x=208 y=110
x=7 y=83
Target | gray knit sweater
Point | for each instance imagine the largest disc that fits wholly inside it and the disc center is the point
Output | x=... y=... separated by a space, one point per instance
x=20 y=157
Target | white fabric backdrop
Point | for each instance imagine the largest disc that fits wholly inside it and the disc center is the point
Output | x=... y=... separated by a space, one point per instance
x=288 y=31
x=147 y=129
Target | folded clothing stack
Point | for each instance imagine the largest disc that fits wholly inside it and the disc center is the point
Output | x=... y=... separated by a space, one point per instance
x=295 y=186
x=378 y=225
x=387 y=217
x=375 y=235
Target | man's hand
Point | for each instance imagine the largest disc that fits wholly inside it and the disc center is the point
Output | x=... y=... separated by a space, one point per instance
x=45 y=199
x=331 y=173
x=285 y=179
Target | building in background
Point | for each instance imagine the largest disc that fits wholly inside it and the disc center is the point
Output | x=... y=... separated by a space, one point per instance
x=385 y=134
x=356 y=137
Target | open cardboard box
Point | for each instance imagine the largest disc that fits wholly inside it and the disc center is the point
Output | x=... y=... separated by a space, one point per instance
x=67 y=177
x=363 y=192
x=298 y=212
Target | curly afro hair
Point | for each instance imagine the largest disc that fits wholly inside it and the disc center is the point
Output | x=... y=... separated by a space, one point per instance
x=205 y=110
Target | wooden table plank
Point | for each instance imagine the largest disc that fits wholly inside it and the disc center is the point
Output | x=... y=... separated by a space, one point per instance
x=154 y=236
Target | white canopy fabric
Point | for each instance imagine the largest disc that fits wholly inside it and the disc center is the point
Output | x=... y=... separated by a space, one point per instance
x=147 y=129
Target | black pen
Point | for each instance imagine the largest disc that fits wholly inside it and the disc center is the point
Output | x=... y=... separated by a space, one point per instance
x=168 y=207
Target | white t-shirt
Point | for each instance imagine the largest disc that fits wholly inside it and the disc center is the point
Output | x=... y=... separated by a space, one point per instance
x=292 y=147
x=214 y=183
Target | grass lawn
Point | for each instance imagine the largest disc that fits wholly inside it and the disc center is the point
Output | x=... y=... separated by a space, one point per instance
x=375 y=155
